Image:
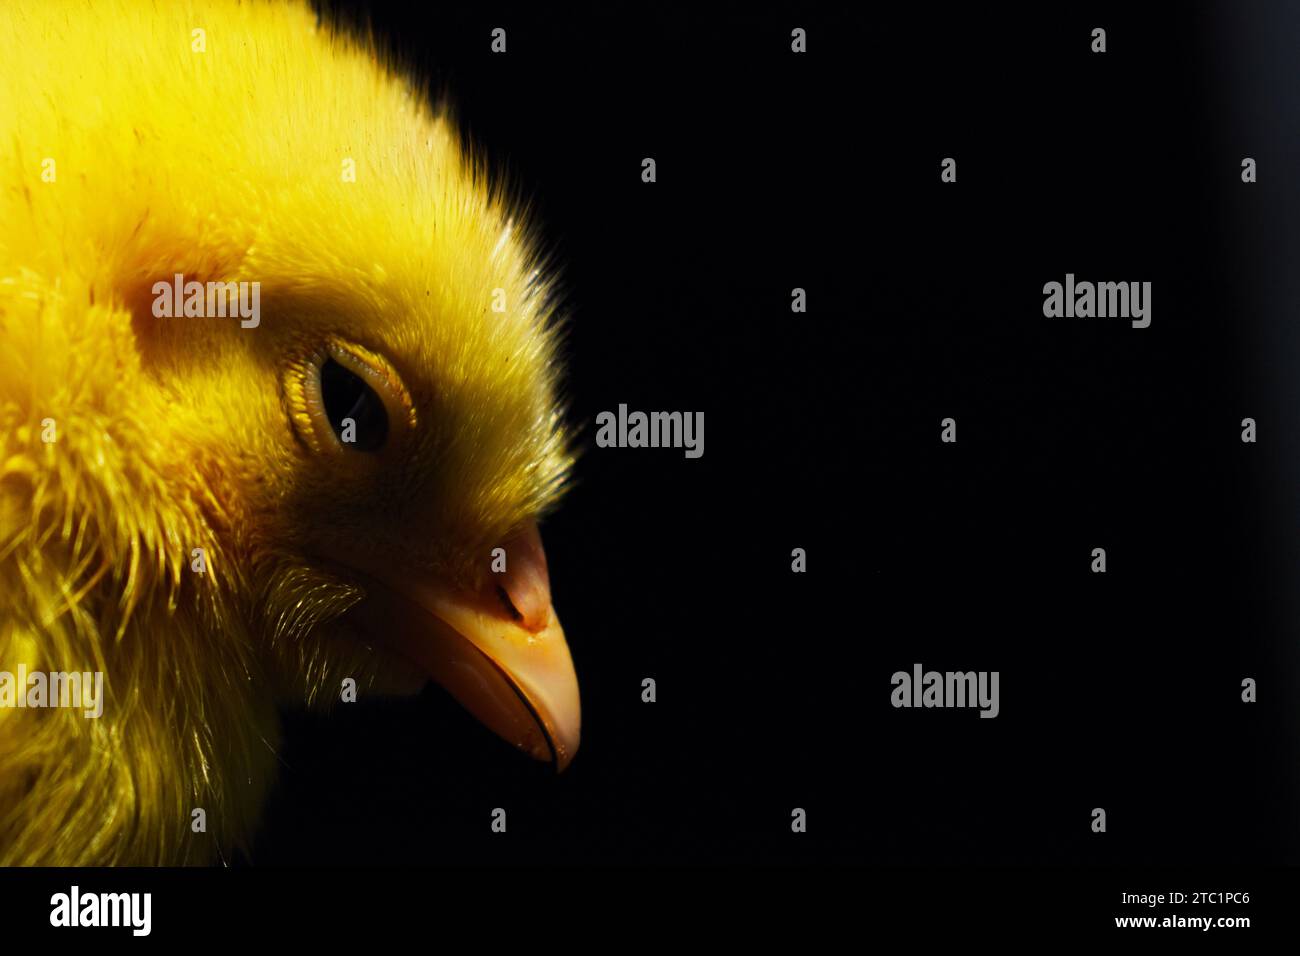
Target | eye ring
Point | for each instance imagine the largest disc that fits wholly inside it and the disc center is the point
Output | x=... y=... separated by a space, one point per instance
x=344 y=381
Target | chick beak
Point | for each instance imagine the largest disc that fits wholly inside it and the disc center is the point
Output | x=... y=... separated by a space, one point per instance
x=500 y=652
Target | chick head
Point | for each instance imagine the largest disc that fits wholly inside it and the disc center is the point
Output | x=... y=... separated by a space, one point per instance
x=389 y=422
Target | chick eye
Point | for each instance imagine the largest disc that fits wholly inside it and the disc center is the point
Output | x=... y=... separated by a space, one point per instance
x=354 y=411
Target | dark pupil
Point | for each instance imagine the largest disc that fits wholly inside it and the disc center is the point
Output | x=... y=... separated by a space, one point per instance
x=347 y=396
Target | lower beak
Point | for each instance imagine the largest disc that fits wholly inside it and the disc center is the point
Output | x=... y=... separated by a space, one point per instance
x=501 y=652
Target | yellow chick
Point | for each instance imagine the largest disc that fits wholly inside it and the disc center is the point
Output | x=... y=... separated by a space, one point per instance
x=278 y=417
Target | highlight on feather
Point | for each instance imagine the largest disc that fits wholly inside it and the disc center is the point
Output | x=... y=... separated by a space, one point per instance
x=246 y=146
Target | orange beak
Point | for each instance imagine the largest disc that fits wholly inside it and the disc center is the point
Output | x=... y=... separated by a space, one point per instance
x=501 y=653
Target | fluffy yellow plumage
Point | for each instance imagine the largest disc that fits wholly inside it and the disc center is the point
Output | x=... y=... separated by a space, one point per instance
x=132 y=149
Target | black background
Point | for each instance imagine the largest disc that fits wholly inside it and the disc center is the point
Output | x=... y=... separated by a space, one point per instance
x=821 y=171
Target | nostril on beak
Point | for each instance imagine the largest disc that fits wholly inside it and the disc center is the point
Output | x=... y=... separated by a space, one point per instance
x=525 y=588
x=509 y=605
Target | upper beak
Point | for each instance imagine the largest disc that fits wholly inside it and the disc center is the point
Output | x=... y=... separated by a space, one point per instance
x=500 y=652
